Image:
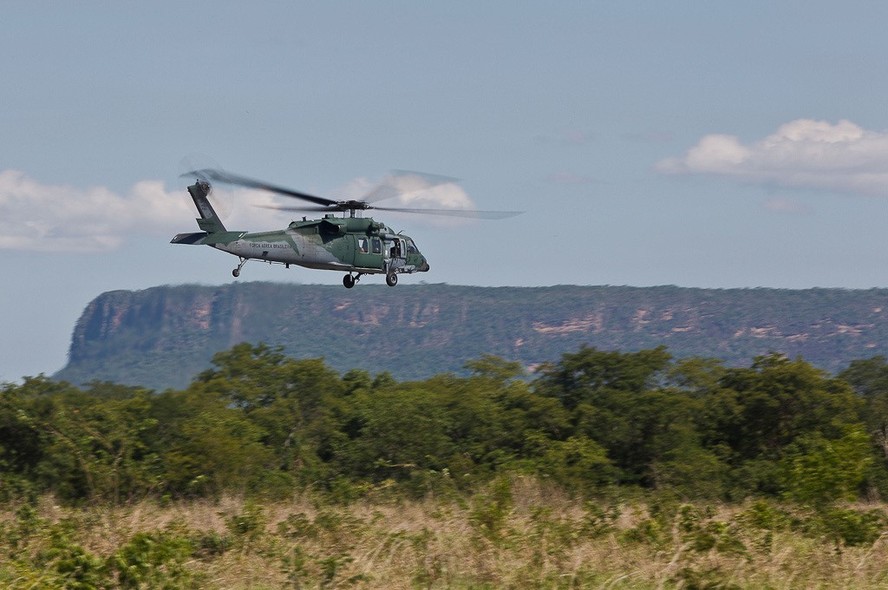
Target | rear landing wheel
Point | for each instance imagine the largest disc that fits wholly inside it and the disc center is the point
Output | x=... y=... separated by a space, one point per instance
x=348 y=281
x=391 y=279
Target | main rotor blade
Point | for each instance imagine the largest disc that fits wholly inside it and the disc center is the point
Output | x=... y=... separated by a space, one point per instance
x=229 y=178
x=305 y=209
x=399 y=183
x=405 y=182
x=466 y=213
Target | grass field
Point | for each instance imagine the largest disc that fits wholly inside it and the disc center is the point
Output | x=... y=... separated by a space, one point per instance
x=515 y=534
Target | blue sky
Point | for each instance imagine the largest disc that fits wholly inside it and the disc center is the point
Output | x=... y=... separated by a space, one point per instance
x=700 y=144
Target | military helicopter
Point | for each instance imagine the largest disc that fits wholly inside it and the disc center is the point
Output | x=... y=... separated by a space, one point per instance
x=350 y=243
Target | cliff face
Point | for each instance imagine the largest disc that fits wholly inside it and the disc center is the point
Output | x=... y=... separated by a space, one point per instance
x=163 y=337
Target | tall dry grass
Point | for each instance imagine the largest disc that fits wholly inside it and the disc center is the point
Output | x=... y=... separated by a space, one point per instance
x=526 y=535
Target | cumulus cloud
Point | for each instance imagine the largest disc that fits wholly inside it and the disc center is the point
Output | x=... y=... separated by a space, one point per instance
x=40 y=217
x=802 y=154
x=58 y=218
x=412 y=190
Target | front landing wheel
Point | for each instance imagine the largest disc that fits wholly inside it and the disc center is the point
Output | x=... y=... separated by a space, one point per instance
x=236 y=272
x=348 y=281
x=391 y=279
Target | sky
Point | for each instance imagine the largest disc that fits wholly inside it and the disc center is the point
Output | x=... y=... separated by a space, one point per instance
x=699 y=144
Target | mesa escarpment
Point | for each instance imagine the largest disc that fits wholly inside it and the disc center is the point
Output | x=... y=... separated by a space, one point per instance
x=162 y=337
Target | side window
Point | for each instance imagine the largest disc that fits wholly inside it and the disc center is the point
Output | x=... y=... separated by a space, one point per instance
x=377 y=245
x=362 y=245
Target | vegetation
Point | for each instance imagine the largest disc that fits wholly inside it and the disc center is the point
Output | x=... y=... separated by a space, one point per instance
x=607 y=469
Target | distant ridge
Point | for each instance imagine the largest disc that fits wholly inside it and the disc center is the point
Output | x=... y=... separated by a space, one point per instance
x=163 y=336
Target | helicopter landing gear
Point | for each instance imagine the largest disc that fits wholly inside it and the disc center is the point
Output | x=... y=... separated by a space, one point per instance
x=236 y=272
x=350 y=281
x=391 y=279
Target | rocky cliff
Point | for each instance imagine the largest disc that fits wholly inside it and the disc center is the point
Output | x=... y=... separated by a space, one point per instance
x=162 y=337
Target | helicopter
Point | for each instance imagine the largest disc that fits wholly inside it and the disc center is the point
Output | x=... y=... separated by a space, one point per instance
x=351 y=243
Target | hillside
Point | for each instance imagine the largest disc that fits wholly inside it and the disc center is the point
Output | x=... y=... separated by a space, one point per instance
x=162 y=337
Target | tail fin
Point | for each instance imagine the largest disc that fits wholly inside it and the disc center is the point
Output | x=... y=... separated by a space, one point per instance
x=214 y=232
x=208 y=221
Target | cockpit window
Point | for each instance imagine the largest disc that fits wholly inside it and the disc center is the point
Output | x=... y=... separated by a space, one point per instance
x=411 y=247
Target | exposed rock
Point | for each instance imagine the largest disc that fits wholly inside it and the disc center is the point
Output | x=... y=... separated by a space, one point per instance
x=163 y=337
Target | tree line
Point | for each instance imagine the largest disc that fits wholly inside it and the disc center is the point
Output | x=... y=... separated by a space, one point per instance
x=261 y=423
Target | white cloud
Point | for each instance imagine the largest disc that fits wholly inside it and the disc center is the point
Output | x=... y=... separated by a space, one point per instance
x=803 y=153
x=49 y=218
x=57 y=218
x=412 y=190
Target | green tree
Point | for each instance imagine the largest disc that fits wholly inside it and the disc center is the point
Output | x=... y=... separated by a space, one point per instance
x=781 y=399
x=760 y=411
x=869 y=378
x=820 y=471
x=577 y=464
x=622 y=402
x=494 y=420
x=495 y=368
x=22 y=442
x=298 y=404
x=401 y=430
x=206 y=446
x=97 y=442
x=587 y=374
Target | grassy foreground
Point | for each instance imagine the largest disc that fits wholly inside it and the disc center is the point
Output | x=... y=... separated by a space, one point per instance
x=516 y=534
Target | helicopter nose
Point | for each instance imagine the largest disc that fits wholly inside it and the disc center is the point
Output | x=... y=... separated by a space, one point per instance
x=424 y=266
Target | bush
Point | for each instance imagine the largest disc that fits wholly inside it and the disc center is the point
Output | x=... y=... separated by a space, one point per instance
x=850 y=527
x=153 y=560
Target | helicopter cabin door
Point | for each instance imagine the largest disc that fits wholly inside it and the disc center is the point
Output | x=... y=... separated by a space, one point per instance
x=368 y=251
x=395 y=253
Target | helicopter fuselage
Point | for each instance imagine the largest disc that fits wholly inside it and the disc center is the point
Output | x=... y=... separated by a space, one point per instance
x=332 y=243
